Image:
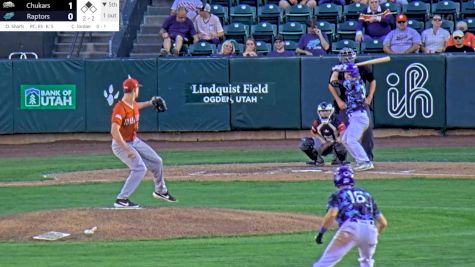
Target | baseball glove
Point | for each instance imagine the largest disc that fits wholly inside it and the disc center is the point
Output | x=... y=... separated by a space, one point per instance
x=159 y=104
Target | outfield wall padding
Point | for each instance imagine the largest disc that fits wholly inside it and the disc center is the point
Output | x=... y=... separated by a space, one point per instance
x=278 y=107
x=410 y=92
x=104 y=89
x=460 y=91
x=188 y=110
x=7 y=106
x=42 y=111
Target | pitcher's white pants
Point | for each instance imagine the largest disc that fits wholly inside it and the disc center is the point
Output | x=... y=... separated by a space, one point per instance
x=360 y=233
x=145 y=158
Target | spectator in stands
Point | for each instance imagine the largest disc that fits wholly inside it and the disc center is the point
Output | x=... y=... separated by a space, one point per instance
x=315 y=42
x=403 y=39
x=192 y=7
x=458 y=43
x=177 y=28
x=250 y=50
x=434 y=40
x=374 y=24
x=336 y=2
x=279 y=48
x=285 y=4
x=227 y=49
x=468 y=39
x=208 y=26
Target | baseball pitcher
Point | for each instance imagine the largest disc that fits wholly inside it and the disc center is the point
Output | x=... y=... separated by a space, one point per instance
x=359 y=218
x=326 y=130
x=132 y=151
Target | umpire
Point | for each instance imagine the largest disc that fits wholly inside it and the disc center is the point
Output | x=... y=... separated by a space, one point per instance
x=347 y=55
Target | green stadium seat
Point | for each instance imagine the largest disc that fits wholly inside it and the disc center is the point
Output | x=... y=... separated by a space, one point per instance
x=298 y=13
x=337 y=46
x=292 y=30
x=329 y=12
x=264 y=31
x=202 y=49
x=352 y=11
x=236 y=31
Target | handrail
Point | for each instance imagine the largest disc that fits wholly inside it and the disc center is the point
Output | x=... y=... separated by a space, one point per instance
x=23 y=55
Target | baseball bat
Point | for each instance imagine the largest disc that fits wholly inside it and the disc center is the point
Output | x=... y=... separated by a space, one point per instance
x=374 y=61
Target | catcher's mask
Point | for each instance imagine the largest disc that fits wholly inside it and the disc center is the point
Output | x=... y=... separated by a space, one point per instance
x=130 y=85
x=325 y=111
x=347 y=55
x=344 y=175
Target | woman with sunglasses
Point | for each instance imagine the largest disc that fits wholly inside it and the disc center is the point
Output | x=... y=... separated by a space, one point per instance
x=434 y=40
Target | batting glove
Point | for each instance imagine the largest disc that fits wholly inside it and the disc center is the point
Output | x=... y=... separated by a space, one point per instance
x=318 y=238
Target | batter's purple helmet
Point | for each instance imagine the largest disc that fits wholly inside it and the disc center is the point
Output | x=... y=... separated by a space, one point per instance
x=352 y=69
x=344 y=176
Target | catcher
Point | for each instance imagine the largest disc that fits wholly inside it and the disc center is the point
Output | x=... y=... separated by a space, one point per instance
x=132 y=151
x=326 y=130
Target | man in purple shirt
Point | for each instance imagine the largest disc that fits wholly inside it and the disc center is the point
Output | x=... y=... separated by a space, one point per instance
x=403 y=39
x=374 y=23
x=177 y=28
x=279 y=48
x=313 y=43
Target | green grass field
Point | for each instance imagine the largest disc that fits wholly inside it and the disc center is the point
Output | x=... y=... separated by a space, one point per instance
x=430 y=220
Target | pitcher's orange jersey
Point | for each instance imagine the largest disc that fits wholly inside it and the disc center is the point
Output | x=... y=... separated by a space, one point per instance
x=128 y=119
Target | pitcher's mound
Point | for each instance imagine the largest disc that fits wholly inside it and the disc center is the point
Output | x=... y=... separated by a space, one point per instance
x=153 y=223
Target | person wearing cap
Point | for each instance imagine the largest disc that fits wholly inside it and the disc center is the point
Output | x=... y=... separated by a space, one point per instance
x=315 y=42
x=279 y=48
x=208 y=26
x=434 y=40
x=403 y=39
x=192 y=7
x=458 y=46
x=179 y=29
x=285 y=4
x=468 y=38
x=132 y=151
x=374 y=24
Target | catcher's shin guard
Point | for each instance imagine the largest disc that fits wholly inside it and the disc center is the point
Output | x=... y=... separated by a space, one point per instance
x=340 y=152
x=307 y=147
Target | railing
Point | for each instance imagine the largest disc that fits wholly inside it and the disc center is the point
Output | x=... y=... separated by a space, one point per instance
x=22 y=55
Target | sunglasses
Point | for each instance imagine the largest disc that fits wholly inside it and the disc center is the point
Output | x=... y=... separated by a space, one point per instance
x=437 y=19
x=457 y=38
x=401 y=22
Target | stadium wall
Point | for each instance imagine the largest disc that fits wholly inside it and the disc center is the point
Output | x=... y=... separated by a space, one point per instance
x=228 y=94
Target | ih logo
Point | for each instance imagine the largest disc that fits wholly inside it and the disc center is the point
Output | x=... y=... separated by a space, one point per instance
x=415 y=77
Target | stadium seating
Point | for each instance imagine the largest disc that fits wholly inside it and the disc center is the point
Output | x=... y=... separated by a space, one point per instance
x=262 y=48
x=337 y=46
x=447 y=9
x=416 y=25
x=467 y=10
x=352 y=11
x=244 y=14
x=298 y=13
x=202 y=49
x=264 y=31
x=329 y=29
x=347 y=30
x=470 y=24
x=372 y=46
x=225 y=3
x=236 y=31
x=328 y=12
x=221 y=12
x=394 y=8
x=290 y=45
x=270 y=13
x=292 y=30
x=417 y=10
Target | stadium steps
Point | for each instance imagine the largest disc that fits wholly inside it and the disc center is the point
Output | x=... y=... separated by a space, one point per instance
x=148 y=42
x=95 y=44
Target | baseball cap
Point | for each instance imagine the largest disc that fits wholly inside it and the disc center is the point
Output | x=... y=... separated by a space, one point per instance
x=462 y=25
x=458 y=33
x=279 y=37
x=401 y=17
x=130 y=84
x=206 y=8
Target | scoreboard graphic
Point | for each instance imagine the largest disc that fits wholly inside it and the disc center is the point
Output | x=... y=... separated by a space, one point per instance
x=59 y=15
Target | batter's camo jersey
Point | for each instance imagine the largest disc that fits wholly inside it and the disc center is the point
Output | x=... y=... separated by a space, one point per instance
x=353 y=203
x=366 y=75
x=355 y=95
x=128 y=118
x=329 y=131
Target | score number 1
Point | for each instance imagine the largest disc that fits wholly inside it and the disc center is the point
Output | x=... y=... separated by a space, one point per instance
x=70 y=15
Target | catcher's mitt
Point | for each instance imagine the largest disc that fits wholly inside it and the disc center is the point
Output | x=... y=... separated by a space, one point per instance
x=159 y=104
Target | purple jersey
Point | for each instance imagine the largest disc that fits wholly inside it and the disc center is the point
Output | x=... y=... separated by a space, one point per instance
x=186 y=28
x=353 y=204
x=311 y=42
x=355 y=95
